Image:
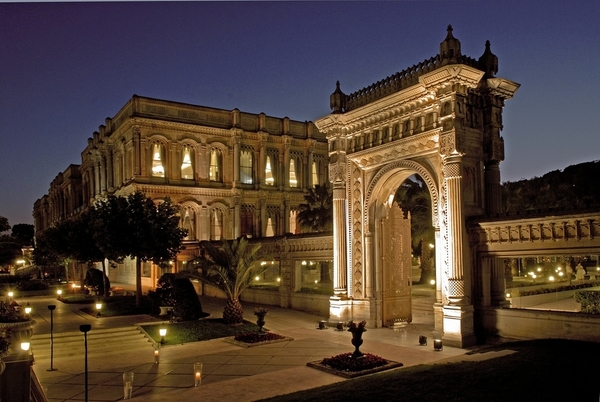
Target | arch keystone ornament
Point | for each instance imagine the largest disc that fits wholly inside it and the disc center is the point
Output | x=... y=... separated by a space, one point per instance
x=440 y=119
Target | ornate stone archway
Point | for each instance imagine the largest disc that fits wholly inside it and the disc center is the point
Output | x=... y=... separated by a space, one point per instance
x=442 y=120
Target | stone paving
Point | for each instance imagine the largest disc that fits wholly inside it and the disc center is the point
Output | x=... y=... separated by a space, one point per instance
x=229 y=371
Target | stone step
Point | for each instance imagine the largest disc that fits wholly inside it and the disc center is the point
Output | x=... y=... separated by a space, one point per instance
x=99 y=341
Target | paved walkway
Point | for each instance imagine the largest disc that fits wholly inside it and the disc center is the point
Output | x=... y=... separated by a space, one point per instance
x=229 y=371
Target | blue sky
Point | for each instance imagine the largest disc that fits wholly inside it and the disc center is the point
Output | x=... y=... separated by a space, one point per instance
x=65 y=67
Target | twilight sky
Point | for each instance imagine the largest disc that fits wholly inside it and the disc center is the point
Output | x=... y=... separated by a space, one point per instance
x=65 y=67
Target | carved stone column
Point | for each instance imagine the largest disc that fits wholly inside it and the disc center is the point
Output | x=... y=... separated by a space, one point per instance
x=458 y=320
x=498 y=284
x=493 y=195
x=236 y=161
x=456 y=281
x=340 y=263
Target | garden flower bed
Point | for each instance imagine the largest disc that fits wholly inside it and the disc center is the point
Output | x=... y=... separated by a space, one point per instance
x=347 y=366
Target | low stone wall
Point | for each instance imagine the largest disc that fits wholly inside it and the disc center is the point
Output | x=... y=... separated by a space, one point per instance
x=538 y=324
x=534 y=300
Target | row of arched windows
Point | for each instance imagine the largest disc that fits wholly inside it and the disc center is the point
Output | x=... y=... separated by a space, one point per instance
x=246 y=170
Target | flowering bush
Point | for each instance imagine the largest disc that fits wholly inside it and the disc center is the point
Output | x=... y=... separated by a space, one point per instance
x=345 y=362
x=9 y=313
x=254 y=337
x=357 y=327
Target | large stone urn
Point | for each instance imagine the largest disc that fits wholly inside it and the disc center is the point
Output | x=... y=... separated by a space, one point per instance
x=20 y=331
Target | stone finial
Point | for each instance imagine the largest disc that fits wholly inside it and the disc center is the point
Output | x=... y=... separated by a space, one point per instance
x=337 y=100
x=450 y=48
x=488 y=62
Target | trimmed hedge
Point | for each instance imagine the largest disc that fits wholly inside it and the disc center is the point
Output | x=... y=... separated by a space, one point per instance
x=590 y=301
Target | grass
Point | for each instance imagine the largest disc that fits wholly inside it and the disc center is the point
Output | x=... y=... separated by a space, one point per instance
x=193 y=331
x=542 y=370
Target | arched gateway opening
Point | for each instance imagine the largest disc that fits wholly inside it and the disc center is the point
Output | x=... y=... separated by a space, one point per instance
x=440 y=119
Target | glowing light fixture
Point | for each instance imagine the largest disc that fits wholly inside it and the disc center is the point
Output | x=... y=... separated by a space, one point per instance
x=437 y=345
x=162 y=332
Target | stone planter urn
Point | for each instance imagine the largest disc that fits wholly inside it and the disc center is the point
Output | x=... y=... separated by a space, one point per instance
x=20 y=331
x=357 y=330
x=260 y=314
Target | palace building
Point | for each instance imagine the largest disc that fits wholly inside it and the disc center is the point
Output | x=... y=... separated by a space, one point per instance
x=240 y=174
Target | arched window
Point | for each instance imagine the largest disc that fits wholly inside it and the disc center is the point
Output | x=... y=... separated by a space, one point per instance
x=293 y=222
x=157 y=161
x=216 y=161
x=246 y=167
x=188 y=222
x=293 y=179
x=216 y=224
x=247 y=220
x=269 y=179
x=187 y=168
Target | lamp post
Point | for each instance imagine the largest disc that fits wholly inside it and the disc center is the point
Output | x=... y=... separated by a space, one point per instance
x=51 y=307
x=85 y=328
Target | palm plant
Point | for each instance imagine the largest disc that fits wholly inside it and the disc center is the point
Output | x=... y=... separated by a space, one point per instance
x=230 y=266
x=316 y=214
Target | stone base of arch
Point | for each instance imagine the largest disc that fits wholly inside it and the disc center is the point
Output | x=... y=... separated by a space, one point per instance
x=344 y=310
x=458 y=324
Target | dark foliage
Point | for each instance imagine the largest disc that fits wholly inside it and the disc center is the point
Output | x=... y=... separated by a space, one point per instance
x=96 y=280
x=32 y=284
x=257 y=337
x=345 y=362
x=571 y=188
x=179 y=293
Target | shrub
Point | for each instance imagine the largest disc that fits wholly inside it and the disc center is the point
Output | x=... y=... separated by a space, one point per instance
x=179 y=293
x=32 y=284
x=94 y=279
x=590 y=301
x=345 y=362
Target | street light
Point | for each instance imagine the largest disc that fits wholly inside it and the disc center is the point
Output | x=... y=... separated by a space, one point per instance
x=51 y=307
x=85 y=328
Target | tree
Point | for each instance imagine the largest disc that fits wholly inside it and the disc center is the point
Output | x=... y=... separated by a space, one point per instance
x=229 y=266
x=4 y=225
x=413 y=196
x=23 y=233
x=316 y=214
x=135 y=227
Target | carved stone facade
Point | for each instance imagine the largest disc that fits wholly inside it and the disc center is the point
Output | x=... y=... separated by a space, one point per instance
x=440 y=119
x=232 y=173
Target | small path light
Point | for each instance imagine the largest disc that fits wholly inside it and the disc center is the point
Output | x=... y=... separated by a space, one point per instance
x=98 y=308
x=197 y=374
x=437 y=345
x=127 y=384
x=156 y=354
x=59 y=294
x=162 y=332
x=422 y=340
x=28 y=309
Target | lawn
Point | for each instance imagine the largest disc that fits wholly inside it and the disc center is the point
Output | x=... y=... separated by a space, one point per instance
x=201 y=330
x=541 y=370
